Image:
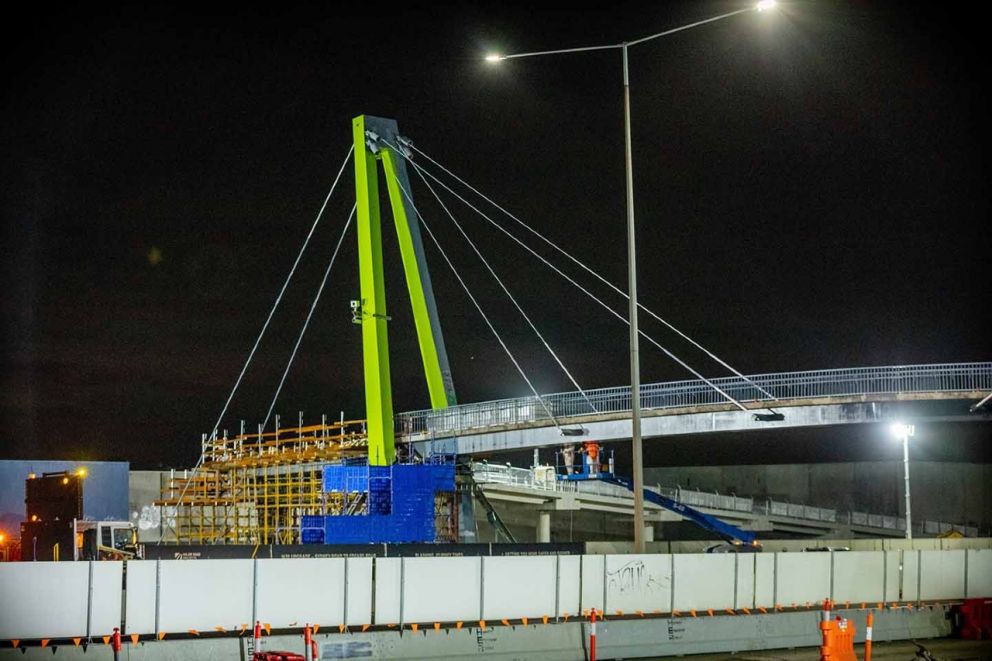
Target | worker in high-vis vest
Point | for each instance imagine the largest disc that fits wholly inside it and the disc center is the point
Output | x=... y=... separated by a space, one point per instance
x=592 y=456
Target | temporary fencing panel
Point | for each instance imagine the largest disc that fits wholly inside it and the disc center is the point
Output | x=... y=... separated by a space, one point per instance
x=43 y=599
x=744 y=592
x=638 y=583
x=442 y=589
x=941 y=574
x=388 y=589
x=979 y=574
x=764 y=580
x=858 y=577
x=359 y=591
x=910 y=575
x=140 y=608
x=592 y=572
x=518 y=586
x=893 y=582
x=802 y=577
x=300 y=590
x=569 y=586
x=204 y=594
x=105 y=606
x=704 y=581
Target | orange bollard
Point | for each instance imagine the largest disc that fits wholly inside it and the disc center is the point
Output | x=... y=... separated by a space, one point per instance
x=117 y=643
x=307 y=642
x=592 y=635
x=868 y=629
x=257 y=638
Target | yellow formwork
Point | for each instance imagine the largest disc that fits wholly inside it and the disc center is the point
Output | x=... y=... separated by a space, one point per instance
x=254 y=489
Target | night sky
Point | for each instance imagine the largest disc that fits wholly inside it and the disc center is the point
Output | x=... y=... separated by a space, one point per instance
x=811 y=192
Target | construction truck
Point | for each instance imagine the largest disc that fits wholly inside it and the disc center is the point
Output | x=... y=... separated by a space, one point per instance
x=56 y=530
x=105 y=540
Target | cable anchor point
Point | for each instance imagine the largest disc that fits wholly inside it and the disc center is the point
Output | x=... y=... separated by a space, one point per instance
x=372 y=141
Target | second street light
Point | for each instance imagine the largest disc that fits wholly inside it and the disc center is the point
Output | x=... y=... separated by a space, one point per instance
x=902 y=432
x=635 y=370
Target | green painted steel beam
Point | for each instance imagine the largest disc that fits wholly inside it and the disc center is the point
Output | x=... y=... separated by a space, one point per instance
x=375 y=342
x=436 y=384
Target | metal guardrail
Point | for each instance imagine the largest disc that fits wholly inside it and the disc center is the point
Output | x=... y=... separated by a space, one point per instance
x=714 y=500
x=785 y=386
x=798 y=511
x=543 y=479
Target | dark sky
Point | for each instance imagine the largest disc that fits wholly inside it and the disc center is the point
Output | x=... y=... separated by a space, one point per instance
x=811 y=191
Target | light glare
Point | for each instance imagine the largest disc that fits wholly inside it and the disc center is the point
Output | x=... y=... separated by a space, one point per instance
x=766 y=4
x=900 y=430
x=494 y=57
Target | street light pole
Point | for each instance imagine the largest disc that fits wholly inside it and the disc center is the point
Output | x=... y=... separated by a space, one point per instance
x=905 y=469
x=637 y=448
x=903 y=432
x=635 y=365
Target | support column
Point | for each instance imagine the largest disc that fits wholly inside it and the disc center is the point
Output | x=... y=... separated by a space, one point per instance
x=543 y=527
x=375 y=345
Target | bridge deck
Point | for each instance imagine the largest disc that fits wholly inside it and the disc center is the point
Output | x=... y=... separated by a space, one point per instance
x=827 y=397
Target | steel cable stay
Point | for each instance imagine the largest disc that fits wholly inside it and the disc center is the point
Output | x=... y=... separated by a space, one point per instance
x=482 y=312
x=588 y=293
x=505 y=289
x=265 y=326
x=591 y=271
x=306 y=323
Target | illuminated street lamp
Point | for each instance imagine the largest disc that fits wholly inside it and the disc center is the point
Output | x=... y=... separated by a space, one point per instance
x=904 y=431
x=635 y=367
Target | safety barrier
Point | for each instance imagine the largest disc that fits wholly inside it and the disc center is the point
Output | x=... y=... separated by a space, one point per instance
x=714 y=500
x=168 y=597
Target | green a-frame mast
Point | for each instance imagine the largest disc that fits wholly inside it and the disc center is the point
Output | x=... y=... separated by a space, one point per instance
x=376 y=140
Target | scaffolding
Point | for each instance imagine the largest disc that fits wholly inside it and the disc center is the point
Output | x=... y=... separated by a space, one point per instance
x=254 y=488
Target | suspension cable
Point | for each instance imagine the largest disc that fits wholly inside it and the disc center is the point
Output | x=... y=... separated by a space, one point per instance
x=591 y=271
x=265 y=326
x=484 y=316
x=500 y=282
x=306 y=323
x=579 y=287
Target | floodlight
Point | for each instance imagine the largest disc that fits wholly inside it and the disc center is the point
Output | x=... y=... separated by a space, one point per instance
x=900 y=430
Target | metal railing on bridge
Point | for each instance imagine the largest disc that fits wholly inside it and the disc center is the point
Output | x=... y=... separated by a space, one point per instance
x=785 y=386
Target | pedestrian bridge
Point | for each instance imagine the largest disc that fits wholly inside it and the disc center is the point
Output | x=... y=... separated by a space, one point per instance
x=855 y=395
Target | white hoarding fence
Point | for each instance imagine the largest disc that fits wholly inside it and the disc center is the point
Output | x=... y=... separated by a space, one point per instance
x=61 y=600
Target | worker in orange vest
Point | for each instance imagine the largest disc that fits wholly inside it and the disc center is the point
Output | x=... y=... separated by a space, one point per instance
x=591 y=449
